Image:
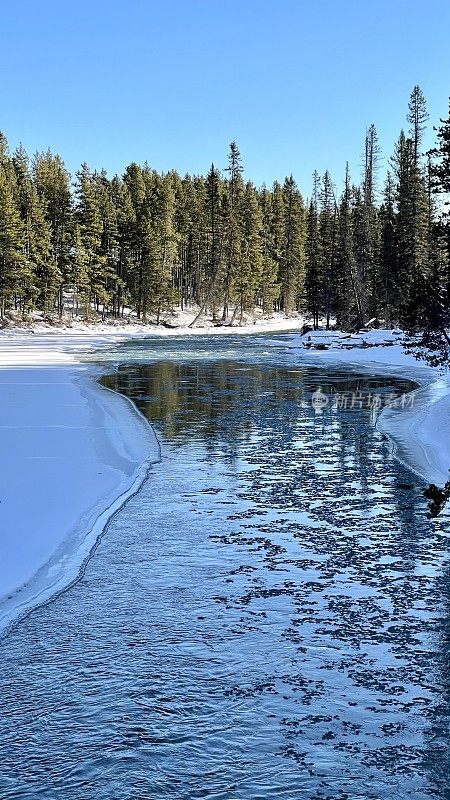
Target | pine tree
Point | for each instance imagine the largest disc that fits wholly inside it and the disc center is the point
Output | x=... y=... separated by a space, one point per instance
x=157 y=245
x=52 y=182
x=47 y=276
x=233 y=238
x=278 y=235
x=12 y=242
x=292 y=266
x=434 y=314
x=389 y=286
x=349 y=292
x=366 y=239
x=40 y=275
x=411 y=232
x=136 y=232
x=164 y=248
x=328 y=246
x=269 y=290
x=439 y=177
x=189 y=230
x=313 y=256
x=125 y=220
x=91 y=229
x=215 y=237
x=246 y=280
x=417 y=117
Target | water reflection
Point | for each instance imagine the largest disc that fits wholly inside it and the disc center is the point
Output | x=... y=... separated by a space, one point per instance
x=201 y=397
x=265 y=619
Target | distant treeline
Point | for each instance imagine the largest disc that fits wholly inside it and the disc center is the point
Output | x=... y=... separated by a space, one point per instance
x=149 y=241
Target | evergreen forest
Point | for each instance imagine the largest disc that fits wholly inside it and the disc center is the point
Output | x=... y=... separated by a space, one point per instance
x=372 y=251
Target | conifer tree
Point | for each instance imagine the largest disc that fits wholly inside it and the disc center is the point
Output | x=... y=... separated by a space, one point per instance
x=366 y=230
x=411 y=231
x=233 y=208
x=389 y=286
x=215 y=237
x=313 y=257
x=417 y=117
x=40 y=275
x=328 y=246
x=163 y=246
x=12 y=243
x=348 y=290
x=246 y=280
x=292 y=266
x=46 y=274
x=91 y=231
x=52 y=182
x=137 y=230
x=269 y=290
x=125 y=217
x=278 y=235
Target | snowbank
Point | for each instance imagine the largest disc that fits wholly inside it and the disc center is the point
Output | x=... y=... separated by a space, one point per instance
x=419 y=431
x=175 y=323
x=72 y=453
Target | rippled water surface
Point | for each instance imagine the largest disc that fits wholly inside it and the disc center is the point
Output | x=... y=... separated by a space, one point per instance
x=267 y=618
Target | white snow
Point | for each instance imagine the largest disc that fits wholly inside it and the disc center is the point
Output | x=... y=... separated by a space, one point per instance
x=73 y=452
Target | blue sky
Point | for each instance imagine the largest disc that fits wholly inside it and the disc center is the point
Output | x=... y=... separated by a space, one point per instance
x=294 y=82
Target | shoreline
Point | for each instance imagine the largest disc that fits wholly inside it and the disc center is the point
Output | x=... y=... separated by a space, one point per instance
x=80 y=454
x=100 y=432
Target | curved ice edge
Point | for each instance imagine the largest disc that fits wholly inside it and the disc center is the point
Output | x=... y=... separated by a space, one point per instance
x=420 y=435
x=68 y=564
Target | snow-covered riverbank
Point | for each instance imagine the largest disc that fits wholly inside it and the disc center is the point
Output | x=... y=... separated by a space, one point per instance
x=73 y=452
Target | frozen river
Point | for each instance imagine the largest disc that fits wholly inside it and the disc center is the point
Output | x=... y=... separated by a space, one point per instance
x=269 y=617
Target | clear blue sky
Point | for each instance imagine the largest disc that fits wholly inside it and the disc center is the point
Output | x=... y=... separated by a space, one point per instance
x=294 y=82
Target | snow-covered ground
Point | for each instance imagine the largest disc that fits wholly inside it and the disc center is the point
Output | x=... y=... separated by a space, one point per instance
x=72 y=452
x=174 y=323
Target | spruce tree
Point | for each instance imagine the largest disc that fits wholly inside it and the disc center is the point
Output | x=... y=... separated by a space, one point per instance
x=292 y=266
x=349 y=311
x=52 y=182
x=91 y=228
x=233 y=209
x=12 y=244
x=247 y=279
x=389 y=285
x=215 y=237
x=313 y=257
x=328 y=247
x=278 y=236
x=125 y=221
x=269 y=289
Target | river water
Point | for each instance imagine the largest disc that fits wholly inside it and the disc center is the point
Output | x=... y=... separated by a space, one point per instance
x=269 y=617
